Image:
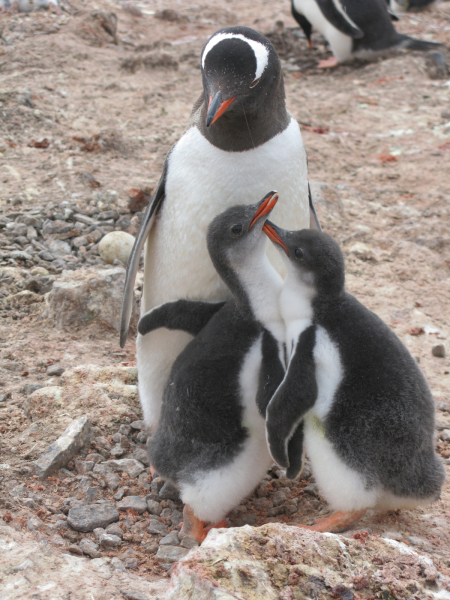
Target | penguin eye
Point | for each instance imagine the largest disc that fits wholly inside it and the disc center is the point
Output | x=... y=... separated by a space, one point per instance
x=298 y=253
x=254 y=82
x=236 y=229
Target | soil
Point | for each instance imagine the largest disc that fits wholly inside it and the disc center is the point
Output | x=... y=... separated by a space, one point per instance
x=82 y=105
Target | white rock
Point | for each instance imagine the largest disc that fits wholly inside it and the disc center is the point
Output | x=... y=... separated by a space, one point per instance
x=116 y=245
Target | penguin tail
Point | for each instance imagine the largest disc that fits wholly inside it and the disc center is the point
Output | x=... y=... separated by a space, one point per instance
x=409 y=43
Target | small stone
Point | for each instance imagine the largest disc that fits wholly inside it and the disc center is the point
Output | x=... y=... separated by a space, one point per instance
x=170 y=554
x=188 y=542
x=142 y=437
x=157 y=527
x=88 y=547
x=169 y=492
x=95 y=457
x=28 y=502
x=124 y=429
x=89 y=517
x=120 y=494
x=64 y=449
x=142 y=456
x=101 y=442
x=79 y=241
x=20 y=255
x=19 y=491
x=176 y=518
x=171 y=539
x=131 y=563
x=143 y=480
x=262 y=503
x=75 y=549
x=26 y=564
x=130 y=466
x=117 y=450
x=29 y=388
x=153 y=507
x=262 y=490
x=132 y=595
x=134 y=502
x=137 y=425
x=150 y=547
x=116 y=245
x=92 y=494
x=55 y=371
x=156 y=485
x=114 y=529
x=84 y=466
x=112 y=481
x=57 y=540
x=445 y=435
x=58 y=248
x=438 y=350
x=275 y=511
x=107 y=540
x=281 y=496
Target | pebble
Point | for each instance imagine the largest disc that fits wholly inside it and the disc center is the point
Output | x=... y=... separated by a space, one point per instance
x=262 y=503
x=117 y=450
x=131 y=563
x=157 y=527
x=107 y=540
x=445 y=435
x=168 y=491
x=142 y=456
x=170 y=539
x=89 y=517
x=88 y=547
x=188 y=542
x=117 y=564
x=281 y=496
x=120 y=494
x=150 y=547
x=116 y=245
x=112 y=481
x=153 y=507
x=134 y=502
x=176 y=518
x=55 y=371
x=170 y=554
x=92 y=494
x=130 y=466
x=84 y=466
x=137 y=425
x=438 y=350
x=114 y=529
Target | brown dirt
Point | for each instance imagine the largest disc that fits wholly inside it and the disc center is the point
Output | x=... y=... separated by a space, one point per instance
x=375 y=134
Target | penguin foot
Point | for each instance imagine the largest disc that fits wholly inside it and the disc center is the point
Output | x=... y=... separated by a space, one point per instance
x=337 y=522
x=329 y=63
x=310 y=44
x=196 y=529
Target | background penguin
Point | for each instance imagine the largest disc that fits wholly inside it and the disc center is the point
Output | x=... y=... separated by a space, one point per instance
x=401 y=6
x=210 y=441
x=368 y=412
x=354 y=29
x=240 y=142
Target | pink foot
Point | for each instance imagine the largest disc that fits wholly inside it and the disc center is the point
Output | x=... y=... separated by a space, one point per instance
x=338 y=521
x=329 y=63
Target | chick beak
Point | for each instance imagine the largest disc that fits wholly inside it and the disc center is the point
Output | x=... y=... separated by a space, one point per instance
x=266 y=205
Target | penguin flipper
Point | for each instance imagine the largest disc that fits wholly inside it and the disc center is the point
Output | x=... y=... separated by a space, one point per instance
x=187 y=315
x=271 y=372
x=314 y=222
x=133 y=262
x=334 y=12
x=296 y=453
x=296 y=394
x=302 y=21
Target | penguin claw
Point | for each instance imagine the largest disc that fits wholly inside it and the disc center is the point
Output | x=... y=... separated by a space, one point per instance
x=337 y=522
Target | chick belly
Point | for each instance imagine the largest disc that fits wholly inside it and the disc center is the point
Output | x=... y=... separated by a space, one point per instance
x=342 y=487
x=214 y=493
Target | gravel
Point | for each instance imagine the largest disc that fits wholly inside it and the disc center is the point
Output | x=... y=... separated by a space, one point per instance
x=134 y=502
x=87 y=518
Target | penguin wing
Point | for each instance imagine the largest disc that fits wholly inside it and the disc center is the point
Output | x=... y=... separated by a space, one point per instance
x=296 y=394
x=133 y=262
x=336 y=14
x=296 y=453
x=271 y=372
x=314 y=222
x=188 y=315
x=302 y=21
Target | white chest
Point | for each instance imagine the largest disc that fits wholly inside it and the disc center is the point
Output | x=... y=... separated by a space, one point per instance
x=202 y=182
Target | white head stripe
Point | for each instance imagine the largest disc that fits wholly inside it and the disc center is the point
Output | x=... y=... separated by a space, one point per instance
x=261 y=52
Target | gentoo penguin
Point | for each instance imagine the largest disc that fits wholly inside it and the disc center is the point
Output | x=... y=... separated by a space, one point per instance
x=367 y=410
x=210 y=441
x=240 y=142
x=354 y=29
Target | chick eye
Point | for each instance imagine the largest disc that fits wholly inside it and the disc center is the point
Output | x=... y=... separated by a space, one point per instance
x=298 y=253
x=254 y=82
x=236 y=229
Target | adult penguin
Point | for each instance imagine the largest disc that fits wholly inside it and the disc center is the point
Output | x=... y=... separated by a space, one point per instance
x=354 y=29
x=240 y=141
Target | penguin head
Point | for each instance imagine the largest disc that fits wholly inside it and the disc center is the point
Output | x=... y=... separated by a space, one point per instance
x=237 y=232
x=312 y=256
x=240 y=67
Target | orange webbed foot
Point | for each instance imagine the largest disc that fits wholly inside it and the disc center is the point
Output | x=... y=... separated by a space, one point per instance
x=338 y=521
x=196 y=529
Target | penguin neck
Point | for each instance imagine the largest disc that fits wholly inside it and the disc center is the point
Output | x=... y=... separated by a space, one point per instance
x=256 y=286
x=239 y=130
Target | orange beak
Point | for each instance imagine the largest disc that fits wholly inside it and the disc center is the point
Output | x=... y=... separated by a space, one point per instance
x=273 y=235
x=267 y=204
x=216 y=108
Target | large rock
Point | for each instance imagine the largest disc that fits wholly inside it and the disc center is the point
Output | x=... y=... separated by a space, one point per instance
x=66 y=446
x=87 y=295
x=31 y=569
x=281 y=562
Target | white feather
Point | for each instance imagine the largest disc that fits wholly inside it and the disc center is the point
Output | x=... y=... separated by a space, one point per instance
x=260 y=51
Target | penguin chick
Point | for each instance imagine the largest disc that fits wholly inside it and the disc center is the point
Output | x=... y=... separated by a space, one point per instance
x=240 y=142
x=210 y=441
x=354 y=29
x=368 y=412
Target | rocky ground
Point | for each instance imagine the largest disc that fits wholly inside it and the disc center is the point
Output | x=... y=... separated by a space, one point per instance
x=88 y=111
